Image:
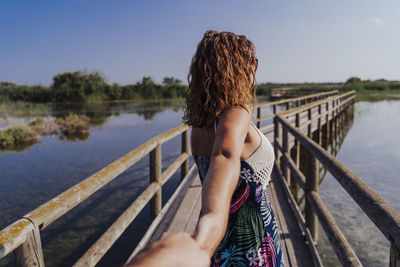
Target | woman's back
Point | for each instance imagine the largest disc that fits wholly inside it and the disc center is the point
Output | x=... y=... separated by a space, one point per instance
x=202 y=141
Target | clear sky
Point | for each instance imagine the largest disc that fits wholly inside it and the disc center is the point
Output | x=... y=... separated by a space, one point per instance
x=296 y=41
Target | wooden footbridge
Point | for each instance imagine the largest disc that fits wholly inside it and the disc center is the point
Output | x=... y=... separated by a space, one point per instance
x=299 y=128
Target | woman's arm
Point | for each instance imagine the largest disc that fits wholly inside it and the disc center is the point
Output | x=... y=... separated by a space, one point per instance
x=222 y=178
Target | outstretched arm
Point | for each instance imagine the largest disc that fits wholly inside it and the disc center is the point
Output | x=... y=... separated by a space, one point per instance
x=173 y=250
x=222 y=178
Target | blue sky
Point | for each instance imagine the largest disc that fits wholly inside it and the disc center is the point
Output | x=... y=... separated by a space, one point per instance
x=296 y=41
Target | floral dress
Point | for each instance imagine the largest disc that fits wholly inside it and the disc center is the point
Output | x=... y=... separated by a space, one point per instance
x=252 y=237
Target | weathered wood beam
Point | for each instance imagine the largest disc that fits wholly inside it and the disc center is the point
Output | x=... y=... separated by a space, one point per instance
x=384 y=217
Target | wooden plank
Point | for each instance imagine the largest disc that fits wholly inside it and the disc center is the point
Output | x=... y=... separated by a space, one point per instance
x=14 y=235
x=30 y=252
x=194 y=217
x=394 y=256
x=185 y=210
x=185 y=149
x=295 y=247
x=155 y=176
x=161 y=222
x=306 y=97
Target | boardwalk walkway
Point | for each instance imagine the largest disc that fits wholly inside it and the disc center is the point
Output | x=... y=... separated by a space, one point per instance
x=298 y=128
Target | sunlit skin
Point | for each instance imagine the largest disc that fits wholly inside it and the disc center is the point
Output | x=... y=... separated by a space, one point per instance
x=235 y=139
x=172 y=250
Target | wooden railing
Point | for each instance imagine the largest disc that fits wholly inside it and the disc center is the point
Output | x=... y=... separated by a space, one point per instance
x=294 y=127
x=287 y=103
x=23 y=236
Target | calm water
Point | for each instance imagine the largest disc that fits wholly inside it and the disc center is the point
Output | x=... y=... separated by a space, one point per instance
x=35 y=175
x=371 y=150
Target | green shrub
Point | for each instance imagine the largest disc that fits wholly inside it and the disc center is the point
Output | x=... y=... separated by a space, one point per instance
x=353 y=80
x=375 y=86
x=74 y=124
x=394 y=86
x=18 y=135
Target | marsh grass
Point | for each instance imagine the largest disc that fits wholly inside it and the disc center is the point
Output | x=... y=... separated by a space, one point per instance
x=72 y=127
x=17 y=137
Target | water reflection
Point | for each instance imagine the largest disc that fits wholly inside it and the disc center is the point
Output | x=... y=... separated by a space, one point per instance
x=331 y=137
x=13 y=114
x=38 y=174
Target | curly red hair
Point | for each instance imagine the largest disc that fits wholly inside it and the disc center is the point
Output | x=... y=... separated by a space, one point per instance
x=221 y=76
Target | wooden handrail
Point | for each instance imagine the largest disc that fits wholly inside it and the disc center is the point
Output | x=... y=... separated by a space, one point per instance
x=294 y=99
x=384 y=217
x=15 y=235
x=381 y=214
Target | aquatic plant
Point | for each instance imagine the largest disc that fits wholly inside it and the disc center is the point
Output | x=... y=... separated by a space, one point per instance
x=18 y=135
x=73 y=124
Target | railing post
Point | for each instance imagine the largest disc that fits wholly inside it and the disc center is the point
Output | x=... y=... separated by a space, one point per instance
x=285 y=147
x=258 y=117
x=30 y=252
x=274 y=109
x=287 y=105
x=294 y=186
x=312 y=181
x=319 y=124
x=276 y=138
x=394 y=256
x=333 y=109
x=309 y=127
x=328 y=126
x=155 y=176
x=297 y=143
x=185 y=149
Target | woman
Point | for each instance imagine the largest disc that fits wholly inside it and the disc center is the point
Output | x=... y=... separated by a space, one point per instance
x=236 y=225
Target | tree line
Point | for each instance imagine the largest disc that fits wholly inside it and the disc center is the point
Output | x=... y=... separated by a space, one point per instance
x=80 y=86
x=381 y=85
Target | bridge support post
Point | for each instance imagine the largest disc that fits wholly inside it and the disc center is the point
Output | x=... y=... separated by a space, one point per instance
x=276 y=140
x=185 y=149
x=319 y=125
x=328 y=130
x=309 y=127
x=155 y=176
x=312 y=182
x=30 y=252
x=294 y=186
x=285 y=147
x=394 y=256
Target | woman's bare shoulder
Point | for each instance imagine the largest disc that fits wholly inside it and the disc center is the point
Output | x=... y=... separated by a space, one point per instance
x=235 y=116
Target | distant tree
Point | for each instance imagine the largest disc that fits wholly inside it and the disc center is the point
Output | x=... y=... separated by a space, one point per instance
x=75 y=86
x=353 y=80
x=168 y=81
x=114 y=91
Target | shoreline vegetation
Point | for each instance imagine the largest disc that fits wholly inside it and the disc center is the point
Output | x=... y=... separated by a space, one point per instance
x=82 y=86
x=20 y=137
